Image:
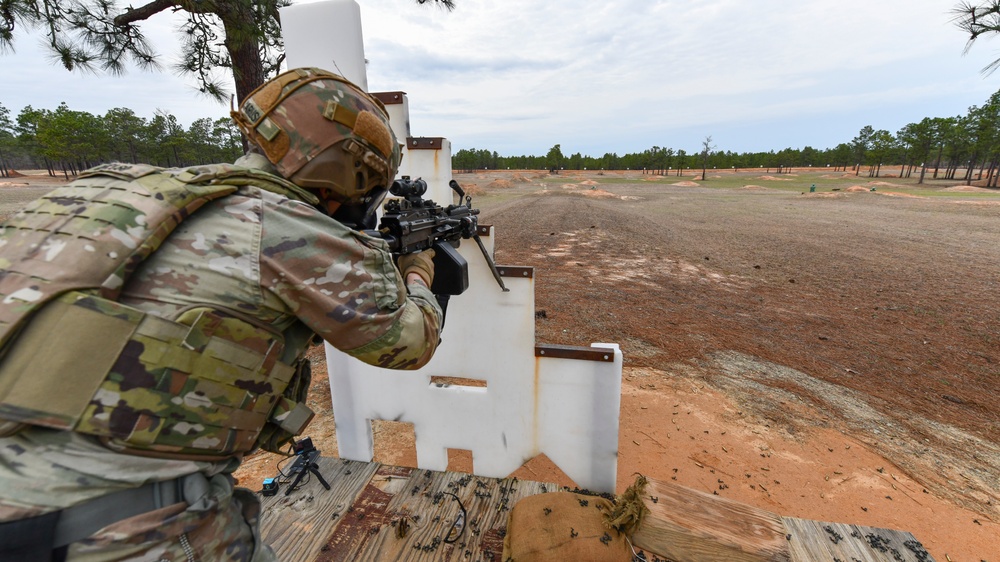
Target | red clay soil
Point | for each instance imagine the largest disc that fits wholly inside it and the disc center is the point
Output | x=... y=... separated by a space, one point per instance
x=831 y=356
x=845 y=342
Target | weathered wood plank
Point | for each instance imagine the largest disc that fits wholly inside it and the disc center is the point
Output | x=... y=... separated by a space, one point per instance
x=818 y=541
x=298 y=526
x=686 y=525
x=362 y=516
x=431 y=505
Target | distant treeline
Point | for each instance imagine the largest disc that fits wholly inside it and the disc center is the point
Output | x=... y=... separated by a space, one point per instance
x=64 y=141
x=67 y=141
x=940 y=146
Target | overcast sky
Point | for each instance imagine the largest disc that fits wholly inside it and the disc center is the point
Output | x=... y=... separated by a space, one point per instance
x=518 y=76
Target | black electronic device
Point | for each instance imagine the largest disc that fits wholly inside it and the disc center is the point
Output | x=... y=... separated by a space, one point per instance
x=270 y=487
x=305 y=463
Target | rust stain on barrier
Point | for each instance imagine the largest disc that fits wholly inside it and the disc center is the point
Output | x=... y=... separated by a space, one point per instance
x=535 y=404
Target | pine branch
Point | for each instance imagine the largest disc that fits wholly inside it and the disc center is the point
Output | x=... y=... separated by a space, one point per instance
x=133 y=15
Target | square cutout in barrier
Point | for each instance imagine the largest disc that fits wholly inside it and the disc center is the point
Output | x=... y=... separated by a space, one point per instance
x=460 y=460
x=445 y=382
x=394 y=443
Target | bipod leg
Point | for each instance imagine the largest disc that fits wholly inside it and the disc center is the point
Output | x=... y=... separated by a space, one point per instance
x=298 y=478
x=314 y=468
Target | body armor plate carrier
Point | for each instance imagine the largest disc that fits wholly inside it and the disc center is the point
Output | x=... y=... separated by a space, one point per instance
x=207 y=384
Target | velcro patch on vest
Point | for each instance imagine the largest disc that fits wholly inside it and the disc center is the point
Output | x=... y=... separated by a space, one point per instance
x=70 y=345
x=292 y=417
x=120 y=170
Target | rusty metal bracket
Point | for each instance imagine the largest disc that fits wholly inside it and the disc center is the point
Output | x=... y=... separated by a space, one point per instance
x=516 y=271
x=602 y=354
x=425 y=143
x=389 y=98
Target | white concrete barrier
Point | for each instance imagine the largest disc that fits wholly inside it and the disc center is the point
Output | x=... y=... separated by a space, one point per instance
x=528 y=399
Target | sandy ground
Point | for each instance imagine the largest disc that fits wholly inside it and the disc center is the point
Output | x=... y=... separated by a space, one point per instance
x=829 y=356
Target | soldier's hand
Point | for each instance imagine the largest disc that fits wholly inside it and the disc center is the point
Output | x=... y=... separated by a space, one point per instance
x=419 y=263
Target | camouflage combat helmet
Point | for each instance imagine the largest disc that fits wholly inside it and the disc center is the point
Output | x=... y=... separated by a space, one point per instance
x=325 y=134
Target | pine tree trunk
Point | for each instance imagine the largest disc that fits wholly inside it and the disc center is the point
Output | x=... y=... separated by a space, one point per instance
x=243 y=48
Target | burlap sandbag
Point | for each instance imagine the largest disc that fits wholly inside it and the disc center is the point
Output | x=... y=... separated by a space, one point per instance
x=563 y=526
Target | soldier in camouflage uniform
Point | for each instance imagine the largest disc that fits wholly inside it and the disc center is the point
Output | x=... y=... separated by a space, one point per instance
x=154 y=325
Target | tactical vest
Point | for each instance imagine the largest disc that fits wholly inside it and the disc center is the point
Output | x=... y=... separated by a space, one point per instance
x=207 y=384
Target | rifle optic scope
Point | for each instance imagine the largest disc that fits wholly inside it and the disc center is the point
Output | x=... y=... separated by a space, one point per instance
x=405 y=187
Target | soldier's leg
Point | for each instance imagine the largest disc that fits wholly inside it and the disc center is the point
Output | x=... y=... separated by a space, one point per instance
x=220 y=525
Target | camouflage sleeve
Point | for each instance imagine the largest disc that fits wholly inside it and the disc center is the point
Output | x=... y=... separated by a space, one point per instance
x=344 y=285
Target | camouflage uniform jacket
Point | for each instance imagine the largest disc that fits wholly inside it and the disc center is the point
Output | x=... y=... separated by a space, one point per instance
x=267 y=256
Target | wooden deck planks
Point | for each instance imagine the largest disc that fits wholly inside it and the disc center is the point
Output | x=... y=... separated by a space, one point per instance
x=298 y=526
x=686 y=525
x=431 y=504
x=692 y=526
x=815 y=540
x=360 y=518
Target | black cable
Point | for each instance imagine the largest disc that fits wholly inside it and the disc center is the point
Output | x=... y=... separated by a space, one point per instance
x=459 y=522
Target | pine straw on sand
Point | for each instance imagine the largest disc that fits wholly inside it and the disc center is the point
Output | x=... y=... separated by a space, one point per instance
x=629 y=509
x=473 y=189
x=598 y=194
x=572 y=189
x=968 y=189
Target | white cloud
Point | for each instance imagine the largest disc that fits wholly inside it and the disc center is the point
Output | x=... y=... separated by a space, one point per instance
x=624 y=75
x=518 y=76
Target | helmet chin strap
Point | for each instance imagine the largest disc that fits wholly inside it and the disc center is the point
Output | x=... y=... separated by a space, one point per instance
x=327 y=203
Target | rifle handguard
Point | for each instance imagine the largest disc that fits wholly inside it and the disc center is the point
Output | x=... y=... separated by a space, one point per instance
x=411 y=224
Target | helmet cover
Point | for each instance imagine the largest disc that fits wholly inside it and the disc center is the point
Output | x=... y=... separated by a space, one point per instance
x=322 y=132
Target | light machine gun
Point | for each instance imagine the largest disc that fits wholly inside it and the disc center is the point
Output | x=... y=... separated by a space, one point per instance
x=412 y=224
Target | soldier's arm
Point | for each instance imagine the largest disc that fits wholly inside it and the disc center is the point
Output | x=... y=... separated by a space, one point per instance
x=343 y=284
